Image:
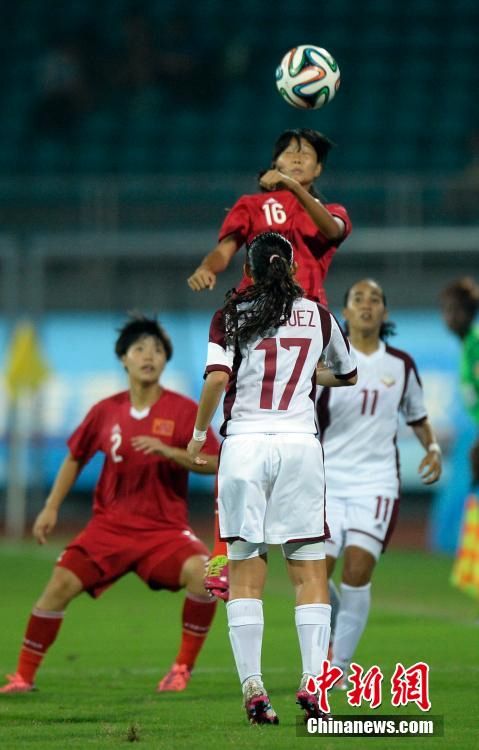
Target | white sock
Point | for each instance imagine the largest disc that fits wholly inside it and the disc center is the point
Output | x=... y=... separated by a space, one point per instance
x=350 y=623
x=335 y=601
x=245 y=621
x=313 y=626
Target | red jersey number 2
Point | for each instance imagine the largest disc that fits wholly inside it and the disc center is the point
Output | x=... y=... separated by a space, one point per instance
x=115 y=444
x=270 y=347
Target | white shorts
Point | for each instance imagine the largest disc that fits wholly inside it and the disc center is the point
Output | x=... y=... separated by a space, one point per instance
x=365 y=521
x=271 y=488
x=240 y=550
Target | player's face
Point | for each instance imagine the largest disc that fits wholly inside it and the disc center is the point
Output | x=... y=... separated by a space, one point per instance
x=365 y=311
x=456 y=317
x=145 y=360
x=299 y=161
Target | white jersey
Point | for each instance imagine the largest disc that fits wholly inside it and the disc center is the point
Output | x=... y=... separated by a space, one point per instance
x=273 y=380
x=358 y=426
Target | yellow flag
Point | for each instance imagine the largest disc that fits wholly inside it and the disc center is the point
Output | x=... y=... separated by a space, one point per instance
x=26 y=368
x=465 y=572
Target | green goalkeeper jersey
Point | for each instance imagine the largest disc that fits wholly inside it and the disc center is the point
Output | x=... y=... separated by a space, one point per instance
x=470 y=372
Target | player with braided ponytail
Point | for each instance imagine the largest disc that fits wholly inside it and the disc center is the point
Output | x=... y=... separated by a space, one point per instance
x=264 y=347
x=268 y=303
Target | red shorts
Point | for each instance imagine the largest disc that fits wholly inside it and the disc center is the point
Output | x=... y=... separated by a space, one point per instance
x=104 y=552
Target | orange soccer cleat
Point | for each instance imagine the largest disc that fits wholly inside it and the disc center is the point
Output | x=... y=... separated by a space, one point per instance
x=176 y=680
x=16 y=684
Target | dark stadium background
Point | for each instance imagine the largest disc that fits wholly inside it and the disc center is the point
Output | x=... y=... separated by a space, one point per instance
x=127 y=129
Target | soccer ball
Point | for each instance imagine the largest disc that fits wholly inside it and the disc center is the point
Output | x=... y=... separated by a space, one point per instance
x=308 y=77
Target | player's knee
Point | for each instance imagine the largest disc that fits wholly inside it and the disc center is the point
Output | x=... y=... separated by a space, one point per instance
x=357 y=572
x=355 y=578
x=193 y=573
x=62 y=587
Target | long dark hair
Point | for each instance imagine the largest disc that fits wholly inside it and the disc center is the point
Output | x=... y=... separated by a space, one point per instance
x=268 y=303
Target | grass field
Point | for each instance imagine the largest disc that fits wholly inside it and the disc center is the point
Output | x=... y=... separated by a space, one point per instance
x=96 y=687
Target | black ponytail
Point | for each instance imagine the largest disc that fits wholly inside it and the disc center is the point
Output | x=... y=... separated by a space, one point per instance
x=267 y=304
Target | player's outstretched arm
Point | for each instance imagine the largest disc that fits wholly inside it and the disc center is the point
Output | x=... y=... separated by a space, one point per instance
x=154 y=446
x=430 y=467
x=215 y=262
x=46 y=520
x=211 y=394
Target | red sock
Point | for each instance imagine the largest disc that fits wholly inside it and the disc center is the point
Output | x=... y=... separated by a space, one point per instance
x=220 y=547
x=198 y=613
x=41 y=632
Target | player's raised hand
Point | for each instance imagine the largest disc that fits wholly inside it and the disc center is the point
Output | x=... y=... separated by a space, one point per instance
x=150 y=446
x=273 y=179
x=430 y=467
x=201 y=279
x=45 y=522
x=194 y=449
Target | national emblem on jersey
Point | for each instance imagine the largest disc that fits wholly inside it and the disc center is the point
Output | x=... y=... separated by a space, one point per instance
x=163 y=427
x=388 y=380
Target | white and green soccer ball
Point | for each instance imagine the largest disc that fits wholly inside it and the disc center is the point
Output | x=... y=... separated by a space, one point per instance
x=308 y=77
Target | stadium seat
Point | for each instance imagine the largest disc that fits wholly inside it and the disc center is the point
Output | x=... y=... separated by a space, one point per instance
x=131 y=131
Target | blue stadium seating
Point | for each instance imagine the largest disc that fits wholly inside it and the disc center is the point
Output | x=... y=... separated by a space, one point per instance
x=408 y=98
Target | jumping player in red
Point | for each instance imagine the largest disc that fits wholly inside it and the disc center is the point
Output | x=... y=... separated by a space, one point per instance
x=140 y=511
x=289 y=205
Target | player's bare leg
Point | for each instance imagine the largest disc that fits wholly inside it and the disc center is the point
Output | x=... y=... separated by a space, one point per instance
x=312 y=615
x=355 y=603
x=334 y=600
x=43 y=627
x=245 y=621
x=198 y=612
x=216 y=571
x=62 y=587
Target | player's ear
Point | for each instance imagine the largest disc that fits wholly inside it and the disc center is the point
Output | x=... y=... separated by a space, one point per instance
x=123 y=362
x=318 y=170
x=294 y=268
x=247 y=270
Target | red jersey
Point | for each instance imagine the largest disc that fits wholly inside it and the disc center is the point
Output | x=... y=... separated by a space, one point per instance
x=134 y=489
x=280 y=211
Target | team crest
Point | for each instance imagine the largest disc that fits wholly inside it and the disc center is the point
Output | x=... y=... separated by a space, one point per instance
x=163 y=427
x=388 y=380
